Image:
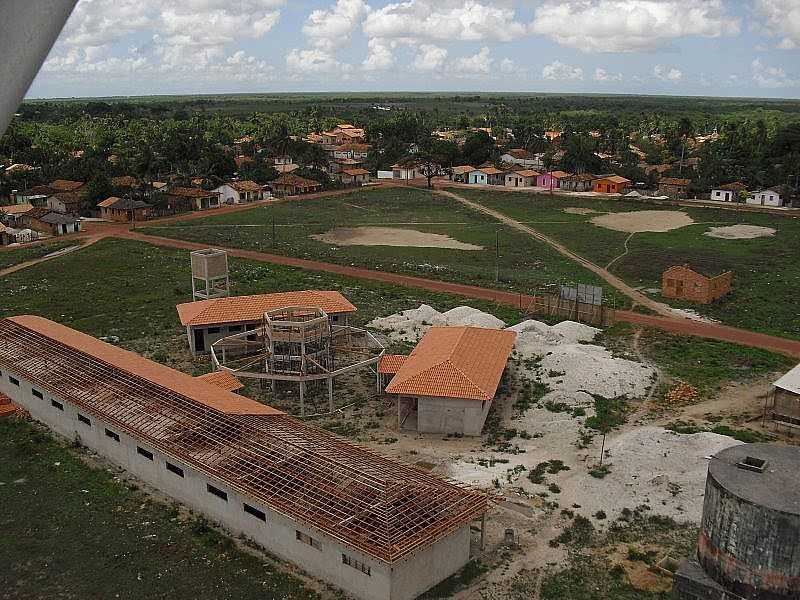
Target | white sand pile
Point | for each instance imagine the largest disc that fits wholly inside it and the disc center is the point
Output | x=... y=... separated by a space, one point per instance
x=740 y=232
x=574 y=368
x=653 y=466
x=410 y=325
x=390 y=236
x=644 y=220
x=535 y=337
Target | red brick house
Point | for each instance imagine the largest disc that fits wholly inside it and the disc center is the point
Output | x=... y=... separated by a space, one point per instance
x=683 y=283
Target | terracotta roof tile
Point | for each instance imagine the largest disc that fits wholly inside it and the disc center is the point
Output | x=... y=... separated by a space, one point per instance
x=16 y=209
x=355 y=172
x=108 y=202
x=222 y=379
x=65 y=185
x=245 y=186
x=389 y=364
x=295 y=180
x=528 y=173
x=188 y=192
x=455 y=362
x=463 y=169
x=233 y=309
x=189 y=387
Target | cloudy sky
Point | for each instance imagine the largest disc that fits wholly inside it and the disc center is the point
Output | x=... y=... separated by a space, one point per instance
x=705 y=47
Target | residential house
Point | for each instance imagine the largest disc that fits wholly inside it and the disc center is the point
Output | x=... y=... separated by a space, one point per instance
x=684 y=283
x=521 y=178
x=10 y=235
x=191 y=198
x=240 y=192
x=65 y=202
x=207 y=321
x=290 y=184
x=353 y=151
x=730 y=192
x=523 y=158
x=67 y=185
x=340 y=164
x=674 y=187
x=354 y=176
x=610 y=184
x=241 y=159
x=36 y=195
x=11 y=214
x=774 y=196
x=551 y=180
x=123 y=210
x=461 y=173
x=449 y=381
x=487 y=176
x=580 y=182
x=124 y=181
x=45 y=220
x=406 y=170
x=785 y=400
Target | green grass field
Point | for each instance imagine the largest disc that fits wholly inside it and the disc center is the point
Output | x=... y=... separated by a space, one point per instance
x=524 y=263
x=15 y=256
x=129 y=290
x=766 y=270
x=70 y=531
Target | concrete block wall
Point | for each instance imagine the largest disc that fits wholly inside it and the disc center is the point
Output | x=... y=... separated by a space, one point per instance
x=451 y=415
x=404 y=580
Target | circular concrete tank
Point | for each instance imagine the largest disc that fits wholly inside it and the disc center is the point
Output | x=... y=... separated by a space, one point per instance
x=750 y=532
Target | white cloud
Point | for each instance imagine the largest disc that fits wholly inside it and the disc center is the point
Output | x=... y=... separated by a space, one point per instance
x=429 y=58
x=508 y=66
x=446 y=20
x=380 y=55
x=479 y=63
x=630 y=25
x=558 y=71
x=332 y=28
x=667 y=73
x=767 y=76
x=604 y=76
x=312 y=60
x=780 y=18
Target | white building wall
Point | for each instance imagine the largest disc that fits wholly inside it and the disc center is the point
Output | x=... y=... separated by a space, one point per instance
x=451 y=415
x=277 y=534
x=227 y=194
x=765 y=198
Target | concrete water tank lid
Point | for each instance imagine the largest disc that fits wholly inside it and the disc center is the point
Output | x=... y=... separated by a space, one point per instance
x=764 y=474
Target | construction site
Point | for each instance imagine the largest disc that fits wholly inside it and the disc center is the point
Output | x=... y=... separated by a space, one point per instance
x=422 y=449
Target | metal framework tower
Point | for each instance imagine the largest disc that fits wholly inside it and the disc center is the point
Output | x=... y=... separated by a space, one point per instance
x=209 y=274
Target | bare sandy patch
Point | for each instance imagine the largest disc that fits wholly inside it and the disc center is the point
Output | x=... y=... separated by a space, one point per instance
x=740 y=232
x=642 y=221
x=390 y=236
x=575 y=210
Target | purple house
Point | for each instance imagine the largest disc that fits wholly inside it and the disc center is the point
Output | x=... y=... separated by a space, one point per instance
x=551 y=179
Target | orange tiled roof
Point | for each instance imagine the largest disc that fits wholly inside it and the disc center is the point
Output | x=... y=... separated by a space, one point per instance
x=190 y=387
x=455 y=362
x=528 y=173
x=559 y=174
x=519 y=153
x=124 y=181
x=245 y=185
x=463 y=169
x=490 y=170
x=110 y=201
x=295 y=180
x=190 y=192
x=355 y=172
x=233 y=309
x=222 y=379
x=390 y=364
x=16 y=209
x=66 y=185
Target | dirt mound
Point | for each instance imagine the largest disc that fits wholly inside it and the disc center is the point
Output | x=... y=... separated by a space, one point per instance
x=641 y=221
x=740 y=232
x=390 y=236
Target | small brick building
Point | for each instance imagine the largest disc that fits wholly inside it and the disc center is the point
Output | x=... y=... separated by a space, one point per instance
x=683 y=283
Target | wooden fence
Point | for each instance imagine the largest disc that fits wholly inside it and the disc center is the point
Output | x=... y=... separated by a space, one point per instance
x=553 y=305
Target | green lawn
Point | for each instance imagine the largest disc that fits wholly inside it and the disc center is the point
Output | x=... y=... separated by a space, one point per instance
x=524 y=264
x=9 y=258
x=766 y=270
x=68 y=531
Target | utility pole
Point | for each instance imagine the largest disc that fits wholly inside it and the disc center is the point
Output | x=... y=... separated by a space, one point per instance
x=273 y=230
x=497 y=256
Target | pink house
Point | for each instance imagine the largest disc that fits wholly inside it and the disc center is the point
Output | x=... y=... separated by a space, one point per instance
x=551 y=180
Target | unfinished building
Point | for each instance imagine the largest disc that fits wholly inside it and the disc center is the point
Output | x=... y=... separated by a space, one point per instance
x=207 y=321
x=297 y=345
x=374 y=527
x=448 y=382
x=748 y=545
x=684 y=283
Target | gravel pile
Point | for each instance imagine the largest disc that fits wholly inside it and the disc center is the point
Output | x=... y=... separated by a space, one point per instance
x=410 y=325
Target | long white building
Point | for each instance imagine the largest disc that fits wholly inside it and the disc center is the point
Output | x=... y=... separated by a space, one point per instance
x=374 y=527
